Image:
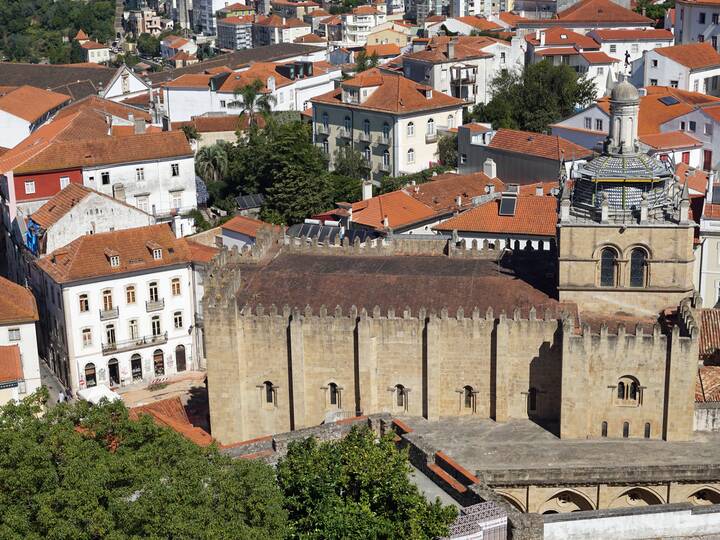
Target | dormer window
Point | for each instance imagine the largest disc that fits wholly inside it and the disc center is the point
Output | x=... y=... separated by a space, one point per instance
x=115 y=261
x=157 y=254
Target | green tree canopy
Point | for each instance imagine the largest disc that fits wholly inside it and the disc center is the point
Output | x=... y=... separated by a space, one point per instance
x=364 y=61
x=83 y=473
x=447 y=150
x=356 y=488
x=252 y=101
x=535 y=97
x=148 y=45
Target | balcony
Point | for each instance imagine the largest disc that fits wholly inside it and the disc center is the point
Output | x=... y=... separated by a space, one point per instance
x=161 y=213
x=132 y=344
x=364 y=137
x=345 y=133
x=109 y=314
x=322 y=129
x=431 y=137
x=383 y=139
x=384 y=167
x=463 y=80
x=154 y=305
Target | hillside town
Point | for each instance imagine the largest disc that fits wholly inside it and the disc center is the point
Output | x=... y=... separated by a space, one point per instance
x=443 y=269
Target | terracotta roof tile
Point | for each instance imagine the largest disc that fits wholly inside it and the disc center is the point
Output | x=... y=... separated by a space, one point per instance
x=601 y=11
x=558 y=51
x=395 y=94
x=559 y=36
x=385 y=49
x=643 y=34
x=30 y=103
x=317 y=13
x=398 y=206
x=441 y=192
x=670 y=140
x=463 y=49
x=190 y=80
x=17 y=304
x=93 y=45
x=248 y=19
x=365 y=10
x=535 y=216
x=98 y=104
x=510 y=18
x=87 y=256
x=707 y=387
x=216 y=123
x=276 y=21
x=54 y=209
x=200 y=253
x=310 y=38
x=10 y=364
x=480 y=23
x=81 y=35
x=537 y=144
x=245 y=225
x=692 y=55
x=237 y=6
x=598 y=57
x=697 y=178
x=171 y=413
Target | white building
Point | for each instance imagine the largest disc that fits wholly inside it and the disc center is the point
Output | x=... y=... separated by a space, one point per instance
x=172 y=45
x=359 y=24
x=19 y=359
x=95 y=53
x=118 y=307
x=241 y=231
x=205 y=14
x=694 y=67
x=235 y=33
x=696 y=21
x=24 y=109
x=76 y=211
x=464 y=25
x=274 y=29
x=629 y=45
x=393 y=121
x=292 y=84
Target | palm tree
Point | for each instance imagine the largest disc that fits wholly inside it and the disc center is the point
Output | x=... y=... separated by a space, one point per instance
x=211 y=162
x=252 y=100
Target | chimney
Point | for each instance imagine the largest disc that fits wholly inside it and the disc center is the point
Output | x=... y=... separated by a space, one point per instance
x=139 y=124
x=489 y=168
x=367 y=189
x=542 y=38
x=490 y=189
x=538 y=190
x=458 y=200
x=644 y=208
x=604 y=209
x=451 y=50
x=386 y=222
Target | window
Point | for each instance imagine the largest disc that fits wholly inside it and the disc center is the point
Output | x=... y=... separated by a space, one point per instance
x=29 y=187
x=683 y=126
x=431 y=126
x=463 y=159
x=451 y=121
x=269 y=392
x=175 y=169
x=348 y=124
x=701 y=18
x=502 y=57
x=178 y=320
x=674 y=84
x=532 y=399
x=653 y=82
x=105 y=178
x=626 y=430
x=325 y=119
x=157 y=254
x=613 y=48
x=696 y=86
x=693 y=125
x=608 y=268
x=223 y=103
x=600 y=70
x=107 y=300
x=326 y=146
x=130 y=294
x=628 y=391
x=114 y=261
x=334 y=393
x=159 y=362
x=410 y=129
x=411 y=156
x=64 y=182
x=87 y=337
x=708 y=129
x=400 y=396
x=13 y=334
x=367 y=154
x=588 y=122
x=176 y=199
x=366 y=127
x=634 y=48
x=654 y=63
x=84 y=303
x=603 y=429
x=142 y=203
x=110 y=334
x=714 y=18
x=469 y=397
x=140 y=174
x=90 y=377
x=175 y=286
x=638 y=268
x=155 y=324
x=133 y=328
x=153 y=291
x=386 y=158
x=647 y=430
x=386 y=130
x=598 y=124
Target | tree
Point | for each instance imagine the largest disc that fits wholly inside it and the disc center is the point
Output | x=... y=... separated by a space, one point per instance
x=364 y=62
x=447 y=150
x=211 y=162
x=356 y=488
x=251 y=100
x=652 y=10
x=148 y=45
x=191 y=133
x=76 y=53
x=82 y=472
x=535 y=97
x=347 y=177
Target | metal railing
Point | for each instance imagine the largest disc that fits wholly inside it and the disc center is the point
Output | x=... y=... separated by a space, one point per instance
x=154 y=305
x=131 y=344
x=364 y=137
x=173 y=211
x=345 y=133
x=431 y=137
x=108 y=314
x=322 y=129
x=383 y=139
x=384 y=167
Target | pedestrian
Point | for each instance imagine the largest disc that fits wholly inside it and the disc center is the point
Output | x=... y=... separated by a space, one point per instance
x=61 y=396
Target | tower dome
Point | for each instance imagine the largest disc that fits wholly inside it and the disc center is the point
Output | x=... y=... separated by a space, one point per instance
x=625 y=91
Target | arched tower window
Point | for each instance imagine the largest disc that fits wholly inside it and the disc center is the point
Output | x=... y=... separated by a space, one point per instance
x=269 y=392
x=603 y=429
x=333 y=393
x=638 y=268
x=626 y=430
x=468 y=397
x=400 y=396
x=628 y=391
x=647 y=430
x=608 y=267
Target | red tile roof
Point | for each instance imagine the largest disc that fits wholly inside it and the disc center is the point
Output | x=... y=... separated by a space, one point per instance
x=707 y=386
x=81 y=35
x=441 y=192
x=365 y=10
x=670 y=140
x=510 y=18
x=310 y=38
x=601 y=11
x=480 y=23
x=54 y=209
x=692 y=55
x=534 y=216
x=17 y=304
x=200 y=253
x=557 y=51
x=398 y=206
x=245 y=225
x=559 y=36
x=644 y=34
x=30 y=103
x=93 y=45
x=89 y=256
x=598 y=58
x=213 y=124
x=10 y=364
x=386 y=49
x=395 y=94
x=248 y=19
x=171 y=413
x=697 y=178
x=105 y=106
x=537 y=144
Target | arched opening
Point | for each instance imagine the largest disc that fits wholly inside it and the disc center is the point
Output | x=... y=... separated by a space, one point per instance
x=400 y=396
x=114 y=372
x=136 y=367
x=628 y=391
x=636 y=497
x=566 y=501
x=366 y=126
x=704 y=497
x=638 y=268
x=334 y=394
x=451 y=121
x=269 y=392
x=608 y=267
x=180 y=361
x=325 y=120
x=469 y=398
x=159 y=362
x=386 y=158
x=603 y=429
x=532 y=400
x=386 y=130
x=512 y=500
x=647 y=430
x=411 y=156
x=431 y=126
x=90 y=375
x=410 y=129
x=626 y=430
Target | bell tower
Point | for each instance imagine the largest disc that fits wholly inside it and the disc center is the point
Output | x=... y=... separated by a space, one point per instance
x=625 y=236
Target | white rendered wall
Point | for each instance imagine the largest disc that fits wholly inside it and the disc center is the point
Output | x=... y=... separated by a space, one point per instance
x=28 y=355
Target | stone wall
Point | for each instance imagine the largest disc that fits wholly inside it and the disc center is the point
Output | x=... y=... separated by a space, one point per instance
x=707 y=416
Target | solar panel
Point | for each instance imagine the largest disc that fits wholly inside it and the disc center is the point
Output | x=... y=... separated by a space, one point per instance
x=669 y=100
x=507 y=206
